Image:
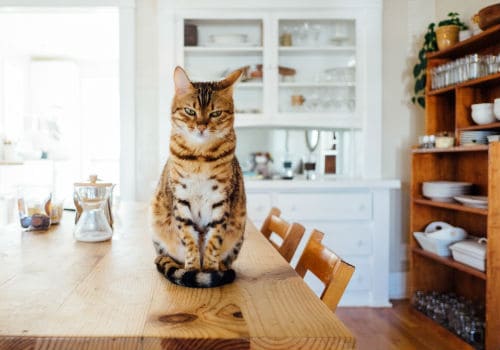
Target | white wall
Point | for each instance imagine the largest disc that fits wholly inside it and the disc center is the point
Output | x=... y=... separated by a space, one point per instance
x=146 y=94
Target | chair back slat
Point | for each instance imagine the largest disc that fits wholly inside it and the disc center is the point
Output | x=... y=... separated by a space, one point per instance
x=291 y=234
x=327 y=266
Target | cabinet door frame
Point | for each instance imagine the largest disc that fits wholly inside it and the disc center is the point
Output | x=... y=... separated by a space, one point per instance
x=257 y=15
x=342 y=120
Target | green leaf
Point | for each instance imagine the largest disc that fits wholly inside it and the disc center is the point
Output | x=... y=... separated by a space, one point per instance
x=419 y=84
x=421 y=101
x=416 y=70
x=421 y=55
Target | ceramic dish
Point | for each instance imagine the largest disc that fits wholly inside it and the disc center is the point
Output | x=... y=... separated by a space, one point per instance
x=473 y=201
x=444 y=191
x=493 y=138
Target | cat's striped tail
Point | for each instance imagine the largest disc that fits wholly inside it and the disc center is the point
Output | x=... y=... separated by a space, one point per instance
x=176 y=274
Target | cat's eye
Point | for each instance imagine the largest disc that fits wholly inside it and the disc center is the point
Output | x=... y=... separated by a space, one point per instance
x=215 y=114
x=190 y=111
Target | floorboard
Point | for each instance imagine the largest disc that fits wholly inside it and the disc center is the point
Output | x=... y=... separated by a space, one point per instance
x=397 y=328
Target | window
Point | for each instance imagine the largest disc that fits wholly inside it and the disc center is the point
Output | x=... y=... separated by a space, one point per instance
x=60 y=95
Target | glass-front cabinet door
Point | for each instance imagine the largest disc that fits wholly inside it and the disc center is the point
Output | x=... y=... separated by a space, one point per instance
x=316 y=68
x=212 y=47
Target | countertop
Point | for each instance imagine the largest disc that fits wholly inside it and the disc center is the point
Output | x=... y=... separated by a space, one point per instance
x=325 y=183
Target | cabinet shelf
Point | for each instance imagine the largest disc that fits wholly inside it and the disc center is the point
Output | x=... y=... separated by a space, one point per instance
x=448 y=261
x=487 y=80
x=479 y=148
x=495 y=125
x=222 y=49
x=309 y=49
x=451 y=206
x=477 y=42
x=249 y=85
x=313 y=84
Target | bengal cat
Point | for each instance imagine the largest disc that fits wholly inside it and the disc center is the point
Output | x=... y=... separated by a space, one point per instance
x=199 y=209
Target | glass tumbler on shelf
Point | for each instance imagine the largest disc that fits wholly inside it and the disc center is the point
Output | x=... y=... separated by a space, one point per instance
x=93 y=225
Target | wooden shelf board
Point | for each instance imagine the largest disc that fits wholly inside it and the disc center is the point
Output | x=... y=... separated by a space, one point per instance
x=478 y=148
x=448 y=261
x=444 y=90
x=470 y=45
x=486 y=80
x=451 y=206
x=495 y=125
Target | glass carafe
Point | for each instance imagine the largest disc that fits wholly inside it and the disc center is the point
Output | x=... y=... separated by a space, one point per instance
x=93 y=225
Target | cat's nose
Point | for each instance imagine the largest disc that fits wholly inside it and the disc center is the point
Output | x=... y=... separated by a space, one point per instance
x=202 y=127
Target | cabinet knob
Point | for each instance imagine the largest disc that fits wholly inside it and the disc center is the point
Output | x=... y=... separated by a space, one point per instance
x=362 y=207
x=360 y=243
x=293 y=208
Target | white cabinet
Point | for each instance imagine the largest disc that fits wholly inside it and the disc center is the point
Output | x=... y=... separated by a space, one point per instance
x=355 y=219
x=334 y=48
x=313 y=78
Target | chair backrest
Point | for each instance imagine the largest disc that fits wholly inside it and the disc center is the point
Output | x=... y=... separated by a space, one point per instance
x=291 y=234
x=328 y=267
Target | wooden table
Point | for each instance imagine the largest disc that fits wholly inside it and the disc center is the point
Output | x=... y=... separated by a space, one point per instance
x=56 y=292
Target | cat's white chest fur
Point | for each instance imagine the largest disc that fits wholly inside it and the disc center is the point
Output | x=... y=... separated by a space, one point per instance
x=200 y=193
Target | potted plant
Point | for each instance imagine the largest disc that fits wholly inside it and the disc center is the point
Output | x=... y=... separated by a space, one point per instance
x=447 y=31
x=431 y=44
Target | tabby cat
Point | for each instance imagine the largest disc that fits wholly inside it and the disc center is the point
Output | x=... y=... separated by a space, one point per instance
x=199 y=209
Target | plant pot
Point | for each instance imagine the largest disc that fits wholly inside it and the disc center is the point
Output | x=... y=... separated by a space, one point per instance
x=447 y=36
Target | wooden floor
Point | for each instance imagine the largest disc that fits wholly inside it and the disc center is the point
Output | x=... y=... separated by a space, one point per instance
x=397 y=328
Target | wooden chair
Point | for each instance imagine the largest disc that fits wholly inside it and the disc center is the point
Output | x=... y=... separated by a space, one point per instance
x=290 y=233
x=328 y=267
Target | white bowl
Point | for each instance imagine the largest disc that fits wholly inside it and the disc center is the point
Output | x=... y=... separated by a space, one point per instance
x=481 y=106
x=483 y=116
x=496 y=111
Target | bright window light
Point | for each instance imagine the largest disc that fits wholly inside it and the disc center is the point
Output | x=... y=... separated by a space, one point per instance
x=59 y=97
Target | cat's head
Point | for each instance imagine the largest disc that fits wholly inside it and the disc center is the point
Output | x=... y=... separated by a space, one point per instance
x=203 y=111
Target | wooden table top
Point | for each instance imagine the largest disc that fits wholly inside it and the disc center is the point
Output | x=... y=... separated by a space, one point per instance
x=56 y=292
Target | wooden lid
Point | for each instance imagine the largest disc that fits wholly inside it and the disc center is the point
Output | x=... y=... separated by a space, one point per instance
x=93 y=181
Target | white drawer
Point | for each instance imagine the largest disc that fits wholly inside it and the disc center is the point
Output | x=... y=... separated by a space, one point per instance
x=258 y=206
x=326 y=206
x=347 y=239
x=361 y=279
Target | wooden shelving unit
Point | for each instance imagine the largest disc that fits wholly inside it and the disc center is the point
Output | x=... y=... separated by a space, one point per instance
x=448 y=109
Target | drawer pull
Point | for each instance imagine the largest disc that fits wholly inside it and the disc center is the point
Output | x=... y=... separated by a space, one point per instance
x=360 y=243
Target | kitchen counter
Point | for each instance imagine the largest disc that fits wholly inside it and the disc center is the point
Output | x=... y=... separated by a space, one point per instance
x=300 y=182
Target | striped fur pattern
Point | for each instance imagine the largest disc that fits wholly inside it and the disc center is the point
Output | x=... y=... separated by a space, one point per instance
x=199 y=208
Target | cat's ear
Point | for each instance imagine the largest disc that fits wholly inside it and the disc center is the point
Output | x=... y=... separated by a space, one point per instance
x=231 y=79
x=181 y=81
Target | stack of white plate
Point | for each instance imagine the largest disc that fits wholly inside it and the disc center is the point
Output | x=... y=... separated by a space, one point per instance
x=479 y=137
x=444 y=191
x=473 y=201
